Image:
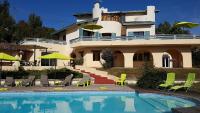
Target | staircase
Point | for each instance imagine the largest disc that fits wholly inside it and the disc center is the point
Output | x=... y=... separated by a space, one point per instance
x=100 y=77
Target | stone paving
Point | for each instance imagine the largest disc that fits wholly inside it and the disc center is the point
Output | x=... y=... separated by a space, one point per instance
x=95 y=87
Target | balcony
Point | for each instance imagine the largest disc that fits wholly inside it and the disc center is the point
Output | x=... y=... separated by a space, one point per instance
x=42 y=40
x=161 y=39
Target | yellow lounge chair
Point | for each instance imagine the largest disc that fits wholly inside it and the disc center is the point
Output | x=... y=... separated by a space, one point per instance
x=121 y=80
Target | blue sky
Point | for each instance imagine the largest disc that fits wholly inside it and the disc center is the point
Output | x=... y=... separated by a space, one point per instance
x=58 y=13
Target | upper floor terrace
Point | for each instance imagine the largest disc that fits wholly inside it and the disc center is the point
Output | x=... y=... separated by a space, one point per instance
x=41 y=40
x=159 y=39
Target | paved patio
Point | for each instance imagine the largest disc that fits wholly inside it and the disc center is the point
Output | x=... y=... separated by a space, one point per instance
x=95 y=87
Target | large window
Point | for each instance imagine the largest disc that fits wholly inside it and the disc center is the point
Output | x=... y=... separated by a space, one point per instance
x=139 y=34
x=136 y=34
x=96 y=55
x=48 y=62
x=142 y=56
x=88 y=33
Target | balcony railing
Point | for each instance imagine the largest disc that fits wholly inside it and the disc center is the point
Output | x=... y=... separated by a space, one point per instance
x=125 y=38
x=42 y=40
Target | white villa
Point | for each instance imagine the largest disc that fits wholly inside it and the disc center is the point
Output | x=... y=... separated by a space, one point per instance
x=129 y=34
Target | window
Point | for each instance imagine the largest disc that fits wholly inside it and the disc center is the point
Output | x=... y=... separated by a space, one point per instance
x=146 y=56
x=96 y=55
x=139 y=34
x=64 y=37
x=142 y=56
x=107 y=34
x=48 y=62
x=88 y=33
x=166 y=61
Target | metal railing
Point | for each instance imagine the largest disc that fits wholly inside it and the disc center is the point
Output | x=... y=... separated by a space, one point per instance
x=42 y=40
x=160 y=37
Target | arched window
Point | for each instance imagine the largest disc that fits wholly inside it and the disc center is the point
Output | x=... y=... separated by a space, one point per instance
x=166 y=60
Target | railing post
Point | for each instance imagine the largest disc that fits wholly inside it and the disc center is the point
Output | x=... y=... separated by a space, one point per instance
x=194 y=36
x=174 y=36
x=127 y=38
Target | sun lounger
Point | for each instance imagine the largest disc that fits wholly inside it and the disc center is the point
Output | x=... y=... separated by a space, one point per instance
x=44 y=80
x=9 y=81
x=68 y=80
x=85 y=81
x=169 y=81
x=29 y=82
x=121 y=80
x=188 y=84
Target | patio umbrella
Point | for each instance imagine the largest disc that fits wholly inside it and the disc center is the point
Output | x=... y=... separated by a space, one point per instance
x=56 y=56
x=92 y=27
x=186 y=24
x=6 y=57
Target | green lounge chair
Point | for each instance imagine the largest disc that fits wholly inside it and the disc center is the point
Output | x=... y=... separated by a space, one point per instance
x=121 y=80
x=169 y=81
x=188 y=83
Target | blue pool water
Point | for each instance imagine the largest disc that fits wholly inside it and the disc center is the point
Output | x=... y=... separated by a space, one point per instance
x=89 y=102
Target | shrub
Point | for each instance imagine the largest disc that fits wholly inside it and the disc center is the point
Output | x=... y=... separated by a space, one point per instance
x=107 y=56
x=151 y=77
x=58 y=74
x=52 y=73
x=79 y=61
x=21 y=73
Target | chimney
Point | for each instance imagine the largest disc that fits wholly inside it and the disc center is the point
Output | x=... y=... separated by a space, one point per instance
x=96 y=10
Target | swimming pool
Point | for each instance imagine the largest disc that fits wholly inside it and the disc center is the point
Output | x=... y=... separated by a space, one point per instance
x=89 y=102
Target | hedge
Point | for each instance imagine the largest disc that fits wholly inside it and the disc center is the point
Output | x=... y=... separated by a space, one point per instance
x=52 y=74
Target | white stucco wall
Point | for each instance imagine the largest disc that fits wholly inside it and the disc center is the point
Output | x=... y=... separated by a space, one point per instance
x=72 y=35
x=110 y=27
x=130 y=18
x=140 y=28
x=69 y=37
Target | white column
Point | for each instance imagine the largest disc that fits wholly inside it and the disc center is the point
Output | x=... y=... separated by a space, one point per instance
x=88 y=58
x=128 y=60
x=157 y=59
x=187 y=59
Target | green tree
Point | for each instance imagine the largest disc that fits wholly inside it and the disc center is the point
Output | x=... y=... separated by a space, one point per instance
x=107 y=56
x=35 y=25
x=163 y=28
x=167 y=28
x=6 y=23
x=22 y=30
x=37 y=30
